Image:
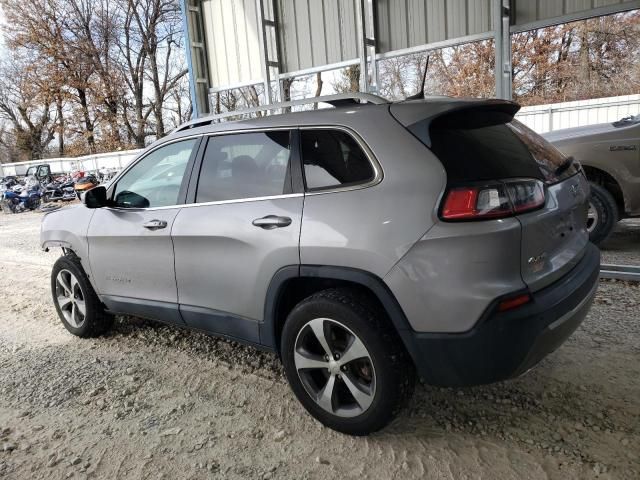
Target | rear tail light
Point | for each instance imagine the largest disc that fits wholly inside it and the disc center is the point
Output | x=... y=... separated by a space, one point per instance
x=492 y=200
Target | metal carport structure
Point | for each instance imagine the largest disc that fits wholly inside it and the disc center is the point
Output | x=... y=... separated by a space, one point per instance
x=237 y=43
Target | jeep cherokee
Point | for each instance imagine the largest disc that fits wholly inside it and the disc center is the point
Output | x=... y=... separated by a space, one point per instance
x=361 y=243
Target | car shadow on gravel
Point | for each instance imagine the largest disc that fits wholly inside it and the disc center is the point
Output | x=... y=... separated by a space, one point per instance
x=246 y=358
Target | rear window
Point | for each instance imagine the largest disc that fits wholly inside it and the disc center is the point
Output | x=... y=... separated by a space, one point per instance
x=493 y=147
x=548 y=157
x=332 y=158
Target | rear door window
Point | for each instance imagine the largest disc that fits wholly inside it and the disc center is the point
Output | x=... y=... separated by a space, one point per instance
x=333 y=158
x=245 y=165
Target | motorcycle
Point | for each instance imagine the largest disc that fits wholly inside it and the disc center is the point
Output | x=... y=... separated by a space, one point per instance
x=106 y=174
x=59 y=191
x=85 y=183
x=8 y=183
x=21 y=198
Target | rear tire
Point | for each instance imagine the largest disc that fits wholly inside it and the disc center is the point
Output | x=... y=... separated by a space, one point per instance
x=603 y=214
x=77 y=304
x=366 y=369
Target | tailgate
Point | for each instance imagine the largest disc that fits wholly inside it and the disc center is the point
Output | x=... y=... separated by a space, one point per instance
x=555 y=238
x=482 y=146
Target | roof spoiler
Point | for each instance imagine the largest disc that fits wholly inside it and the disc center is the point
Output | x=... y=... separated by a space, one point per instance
x=418 y=116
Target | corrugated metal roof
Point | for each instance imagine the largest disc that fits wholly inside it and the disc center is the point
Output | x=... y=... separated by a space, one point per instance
x=231 y=30
x=316 y=32
x=410 y=23
x=528 y=11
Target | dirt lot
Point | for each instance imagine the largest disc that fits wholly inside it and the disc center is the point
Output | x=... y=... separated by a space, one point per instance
x=148 y=401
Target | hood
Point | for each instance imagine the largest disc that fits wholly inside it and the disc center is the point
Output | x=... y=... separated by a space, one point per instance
x=576 y=132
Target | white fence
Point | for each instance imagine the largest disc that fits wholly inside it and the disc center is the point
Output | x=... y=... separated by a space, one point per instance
x=116 y=160
x=546 y=118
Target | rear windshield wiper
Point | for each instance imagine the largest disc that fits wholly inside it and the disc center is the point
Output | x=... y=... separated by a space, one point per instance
x=564 y=166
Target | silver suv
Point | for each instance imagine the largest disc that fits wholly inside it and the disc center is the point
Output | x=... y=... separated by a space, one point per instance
x=360 y=243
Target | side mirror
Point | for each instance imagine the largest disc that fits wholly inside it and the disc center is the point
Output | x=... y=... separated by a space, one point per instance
x=95 y=198
x=129 y=199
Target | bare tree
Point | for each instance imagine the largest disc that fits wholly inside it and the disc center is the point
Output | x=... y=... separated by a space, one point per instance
x=28 y=106
x=159 y=27
x=92 y=29
x=349 y=80
x=41 y=26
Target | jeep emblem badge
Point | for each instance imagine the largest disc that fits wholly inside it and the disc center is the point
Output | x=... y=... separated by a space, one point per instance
x=575 y=189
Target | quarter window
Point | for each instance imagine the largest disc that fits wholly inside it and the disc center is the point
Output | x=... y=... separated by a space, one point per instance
x=244 y=165
x=332 y=158
x=156 y=179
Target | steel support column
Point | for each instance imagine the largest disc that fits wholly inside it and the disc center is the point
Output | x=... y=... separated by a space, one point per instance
x=502 y=45
x=187 y=43
x=367 y=46
x=196 y=56
x=264 y=51
x=362 y=46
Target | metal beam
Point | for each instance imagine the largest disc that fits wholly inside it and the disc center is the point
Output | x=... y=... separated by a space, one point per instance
x=362 y=45
x=502 y=47
x=196 y=55
x=233 y=86
x=264 y=51
x=574 y=17
x=371 y=44
x=321 y=68
x=187 y=42
x=452 y=42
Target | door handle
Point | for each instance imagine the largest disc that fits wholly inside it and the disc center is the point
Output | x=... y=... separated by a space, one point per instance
x=272 y=221
x=155 y=224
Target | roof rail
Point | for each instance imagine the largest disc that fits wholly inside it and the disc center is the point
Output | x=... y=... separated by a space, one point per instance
x=338 y=100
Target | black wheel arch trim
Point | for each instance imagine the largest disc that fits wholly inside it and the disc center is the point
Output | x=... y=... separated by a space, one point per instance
x=269 y=327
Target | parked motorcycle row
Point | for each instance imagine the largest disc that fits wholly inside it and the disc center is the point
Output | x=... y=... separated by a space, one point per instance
x=39 y=190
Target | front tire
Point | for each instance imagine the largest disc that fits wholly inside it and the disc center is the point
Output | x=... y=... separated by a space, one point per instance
x=603 y=214
x=77 y=304
x=344 y=362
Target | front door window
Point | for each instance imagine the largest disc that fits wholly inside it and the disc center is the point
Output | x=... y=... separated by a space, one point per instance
x=155 y=180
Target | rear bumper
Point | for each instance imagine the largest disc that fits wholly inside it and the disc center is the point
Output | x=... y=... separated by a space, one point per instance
x=505 y=345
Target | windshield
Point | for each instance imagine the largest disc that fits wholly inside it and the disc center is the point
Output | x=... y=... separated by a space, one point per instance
x=626 y=121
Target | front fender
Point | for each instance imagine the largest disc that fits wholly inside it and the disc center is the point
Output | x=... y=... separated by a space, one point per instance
x=67 y=228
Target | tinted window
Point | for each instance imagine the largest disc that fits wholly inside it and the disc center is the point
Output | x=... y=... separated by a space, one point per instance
x=549 y=158
x=156 y=179
x=244 y=165
x=333 y=158
x=486 y=147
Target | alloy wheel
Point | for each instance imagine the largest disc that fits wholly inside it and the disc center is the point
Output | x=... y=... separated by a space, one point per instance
x=70 y=298
x=335 y=367
x=592 y=218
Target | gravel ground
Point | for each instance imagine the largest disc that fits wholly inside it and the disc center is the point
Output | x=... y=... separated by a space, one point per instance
x=623 y=246
x=148 y=401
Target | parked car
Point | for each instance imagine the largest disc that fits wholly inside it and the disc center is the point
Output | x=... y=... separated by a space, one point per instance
x=360 y=243
x=610 y=156
x=42 y=172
